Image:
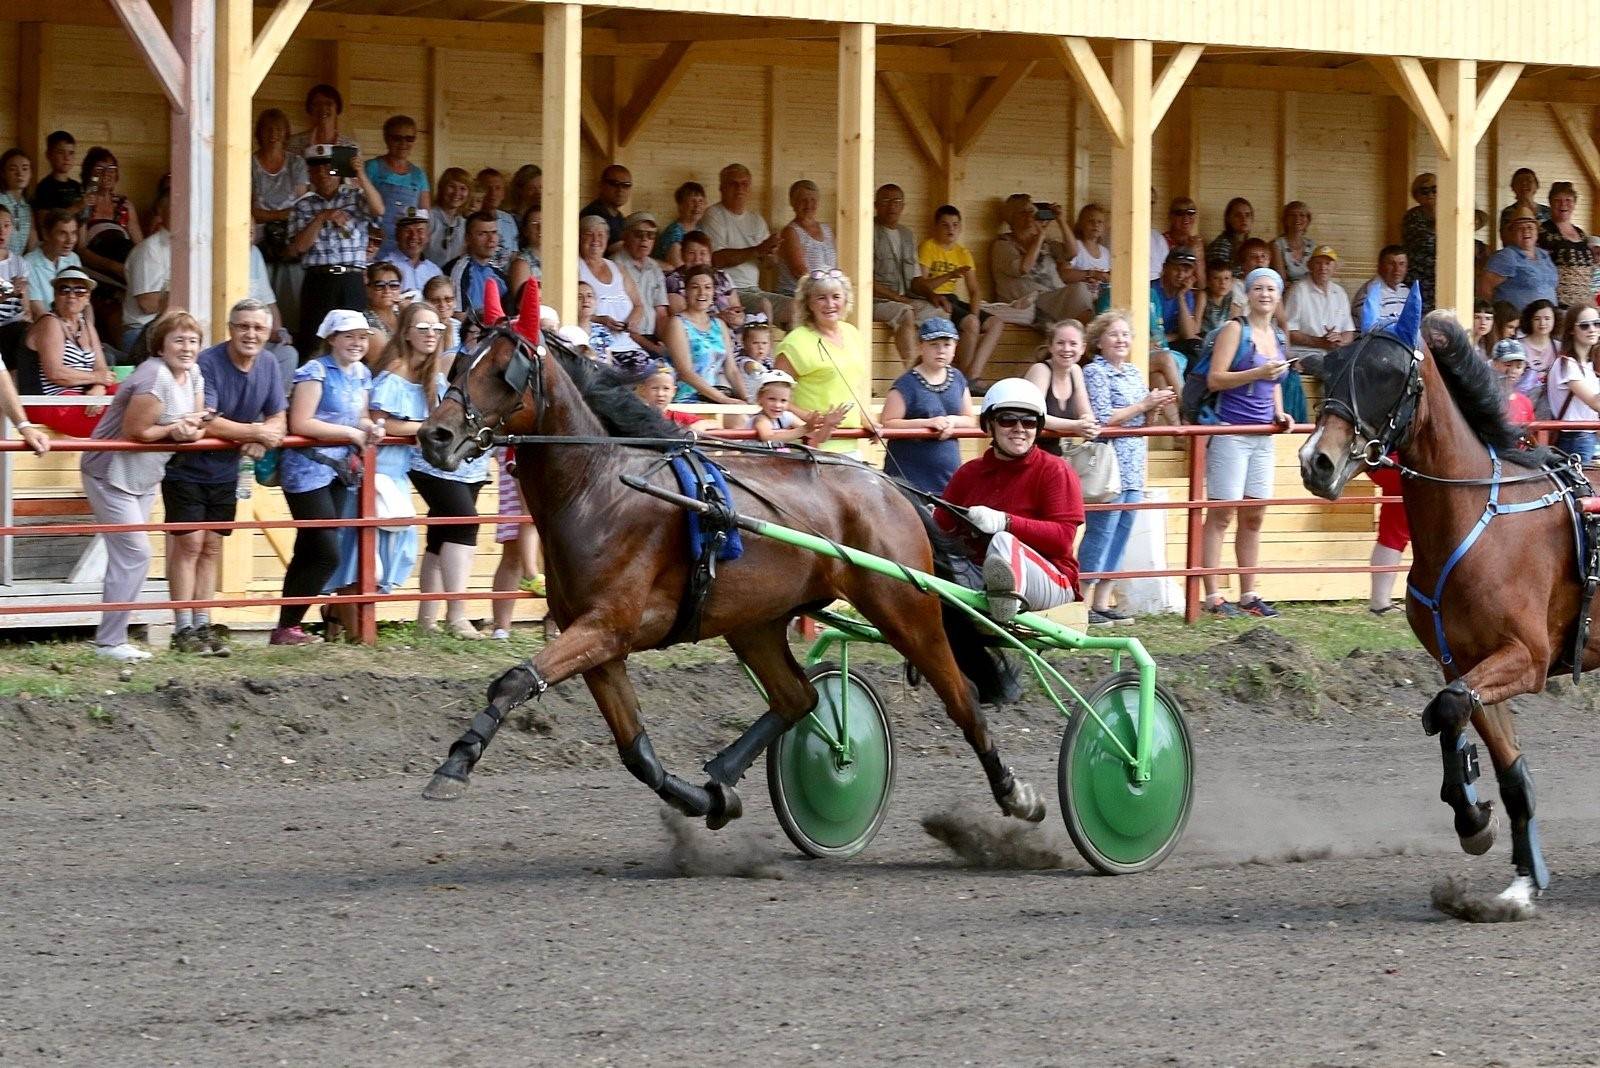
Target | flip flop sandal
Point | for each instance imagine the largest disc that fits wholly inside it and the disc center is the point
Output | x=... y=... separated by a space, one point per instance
x=1385 y=610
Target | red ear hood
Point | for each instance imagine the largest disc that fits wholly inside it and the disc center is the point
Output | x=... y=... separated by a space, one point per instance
x=528 y=314
x=493 y=313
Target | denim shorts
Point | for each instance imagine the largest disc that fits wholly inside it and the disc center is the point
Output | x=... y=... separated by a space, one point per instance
x=1239 y=467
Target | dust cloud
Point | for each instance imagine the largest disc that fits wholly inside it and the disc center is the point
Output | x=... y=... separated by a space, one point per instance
x=728 y=854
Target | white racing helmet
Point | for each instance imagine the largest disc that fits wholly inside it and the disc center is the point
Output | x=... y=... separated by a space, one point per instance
x=1014 y=394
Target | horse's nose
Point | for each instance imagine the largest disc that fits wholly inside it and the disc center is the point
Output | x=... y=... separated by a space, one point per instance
x=438 y=435
x=1317 y=468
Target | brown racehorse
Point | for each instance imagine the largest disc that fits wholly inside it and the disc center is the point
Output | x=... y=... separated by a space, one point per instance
x=618 y=563
x=1474 y=501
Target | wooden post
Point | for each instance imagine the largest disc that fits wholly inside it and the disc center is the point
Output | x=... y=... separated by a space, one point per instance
x=563 y=86
x=858 y=50
x=1288 y=123
x=776 y=199
x=438 y=118
x=1130 y=193
x=35 y=76
x=193 y=149
x=1400 y=149
x=235 y=92
x=1458 y=96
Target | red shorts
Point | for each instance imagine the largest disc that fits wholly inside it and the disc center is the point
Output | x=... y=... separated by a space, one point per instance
x=63 y=419
x=1394 y=531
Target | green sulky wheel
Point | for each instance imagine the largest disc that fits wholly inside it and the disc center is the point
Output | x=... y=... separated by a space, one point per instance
x=827 y=806
x=1121 y=826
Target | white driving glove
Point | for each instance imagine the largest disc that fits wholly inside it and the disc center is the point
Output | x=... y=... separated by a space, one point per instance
x=988 y=520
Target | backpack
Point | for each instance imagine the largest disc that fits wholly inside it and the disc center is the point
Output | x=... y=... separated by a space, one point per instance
x=1198 y=402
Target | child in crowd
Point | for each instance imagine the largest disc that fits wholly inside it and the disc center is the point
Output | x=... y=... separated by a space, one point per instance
x=755 y=351
x=13 y=276
x=1219 y=304
x=441 y=297
x=1483 y=338
x=656 y=389
x=775 y=422
x=934 y=396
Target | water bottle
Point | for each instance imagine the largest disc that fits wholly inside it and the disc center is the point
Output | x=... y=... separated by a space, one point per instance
x=247 y=479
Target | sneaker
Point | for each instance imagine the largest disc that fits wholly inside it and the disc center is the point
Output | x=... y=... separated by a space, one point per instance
x=501 y=634
x=215 y=639
x=124 y=652
x=292 y=636
x=534 y=585
x=188 y=640
x=1115 y=616
x=1000 y=585
x=1099 y=619
x=1255 y=606
x=1222 y=608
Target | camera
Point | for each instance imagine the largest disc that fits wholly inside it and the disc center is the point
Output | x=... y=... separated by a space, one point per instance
x=1043 y=212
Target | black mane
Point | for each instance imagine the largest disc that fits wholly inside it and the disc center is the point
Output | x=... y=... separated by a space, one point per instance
x=1476 y=393
x=612 y=399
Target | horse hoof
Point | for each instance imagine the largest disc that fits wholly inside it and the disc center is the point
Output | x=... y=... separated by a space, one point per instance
x=726 y=805
x=1023 y=802
x=444 y=787
x=1480 y=843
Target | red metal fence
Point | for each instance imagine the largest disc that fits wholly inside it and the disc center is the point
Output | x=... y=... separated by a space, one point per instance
x=367 y=597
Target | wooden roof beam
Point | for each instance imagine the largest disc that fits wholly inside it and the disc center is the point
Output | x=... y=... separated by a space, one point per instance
x=1409 y=80
x=655 y=85
x=926 y=136
x=274 y=35
x=596 y=127
x=990 y=97
x=1492 y=96
x=1076 y=54
x=160 y=55
x=1571 y=119
x=1171 y=79
x=664 y=29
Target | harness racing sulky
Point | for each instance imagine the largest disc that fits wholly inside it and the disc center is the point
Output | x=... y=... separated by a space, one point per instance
x=1412 y=394
x=653 y=538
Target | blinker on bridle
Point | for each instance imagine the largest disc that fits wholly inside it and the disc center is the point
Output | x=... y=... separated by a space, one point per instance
x=1370 y=443
x=519 y=374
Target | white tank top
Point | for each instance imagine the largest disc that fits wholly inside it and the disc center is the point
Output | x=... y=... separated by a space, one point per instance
x=610 y=299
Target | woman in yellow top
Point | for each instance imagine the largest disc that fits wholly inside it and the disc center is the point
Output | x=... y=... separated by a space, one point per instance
x=827 y=357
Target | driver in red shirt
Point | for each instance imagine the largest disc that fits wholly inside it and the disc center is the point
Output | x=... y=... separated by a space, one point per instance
x=1023 y=507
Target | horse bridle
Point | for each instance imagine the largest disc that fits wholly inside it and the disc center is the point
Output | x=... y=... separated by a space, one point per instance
x=1371 y=443
x=525 y=369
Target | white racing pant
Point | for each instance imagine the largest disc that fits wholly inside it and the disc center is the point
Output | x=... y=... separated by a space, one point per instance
x=1011 y=568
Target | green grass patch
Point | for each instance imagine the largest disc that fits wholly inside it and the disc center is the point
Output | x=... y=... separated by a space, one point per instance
x=60 y=670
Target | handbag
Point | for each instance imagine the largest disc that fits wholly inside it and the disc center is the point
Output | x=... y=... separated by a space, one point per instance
x=1097 y=467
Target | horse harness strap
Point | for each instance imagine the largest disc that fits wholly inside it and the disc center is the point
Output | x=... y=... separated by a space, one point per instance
x=713 y=535
x=1588 y=552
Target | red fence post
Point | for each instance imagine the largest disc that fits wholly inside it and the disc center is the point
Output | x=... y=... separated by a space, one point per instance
x=1193 y=540
x=367 y=554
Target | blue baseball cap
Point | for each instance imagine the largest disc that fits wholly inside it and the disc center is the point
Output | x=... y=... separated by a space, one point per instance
x=935 y=328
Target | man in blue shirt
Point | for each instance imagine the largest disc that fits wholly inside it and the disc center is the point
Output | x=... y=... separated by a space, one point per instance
x=474 y=269
x=244 y=403
x=1174 y=295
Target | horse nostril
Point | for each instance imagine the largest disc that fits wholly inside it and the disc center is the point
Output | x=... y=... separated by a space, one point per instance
x=1322 y=466
x=439 y=435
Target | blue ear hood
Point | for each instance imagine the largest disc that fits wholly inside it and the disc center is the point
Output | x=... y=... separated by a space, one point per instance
x=1405 y=328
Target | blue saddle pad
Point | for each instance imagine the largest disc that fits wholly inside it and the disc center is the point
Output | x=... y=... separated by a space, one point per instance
x=716 y=489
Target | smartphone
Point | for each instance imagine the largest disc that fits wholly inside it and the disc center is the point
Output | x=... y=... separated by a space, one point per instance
x=1043 y=212
x=1294 y=357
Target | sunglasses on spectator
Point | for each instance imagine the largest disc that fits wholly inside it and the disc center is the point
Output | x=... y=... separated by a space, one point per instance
x=248 y=328
x=73 y=291
x=620 y=183
x=409 y=139
x=825 y=273
x=387 y=283
x=1427 y=191
x=1008 y=420
x=1588 y=324
x=1186 y=211
x=430 y=328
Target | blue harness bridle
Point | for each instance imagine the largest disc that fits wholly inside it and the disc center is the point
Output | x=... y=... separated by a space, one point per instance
x=1434 y=604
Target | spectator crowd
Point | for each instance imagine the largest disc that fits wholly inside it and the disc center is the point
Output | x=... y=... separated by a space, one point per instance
x=367 y=276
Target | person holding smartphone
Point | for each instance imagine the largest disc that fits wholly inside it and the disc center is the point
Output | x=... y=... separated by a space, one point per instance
x=1248 y=365
x=1030 y=267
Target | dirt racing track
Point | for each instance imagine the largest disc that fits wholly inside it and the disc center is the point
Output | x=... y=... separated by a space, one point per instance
x=244 y=873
